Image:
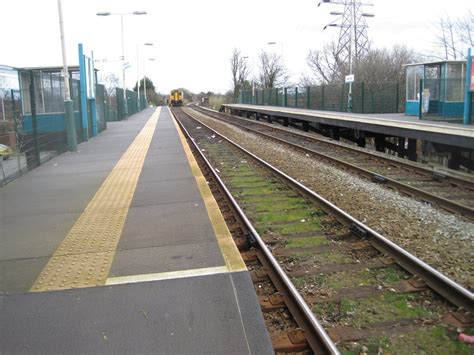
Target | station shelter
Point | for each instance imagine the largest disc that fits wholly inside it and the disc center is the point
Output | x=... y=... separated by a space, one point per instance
x=442 y=88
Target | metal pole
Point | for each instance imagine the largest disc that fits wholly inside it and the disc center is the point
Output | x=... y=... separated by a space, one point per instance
x=144 y=82
x=349 y=96
x=123 y=70
x=68 y=104
x=3 y=109
x=420 y=103
x=138 y=80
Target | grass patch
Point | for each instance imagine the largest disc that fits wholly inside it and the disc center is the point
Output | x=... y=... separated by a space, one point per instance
x=366 y=277
x=295 y=228
x=263 y=190
x=287 y=216
x=307 y=242
x=273 y=205
x=385 y=307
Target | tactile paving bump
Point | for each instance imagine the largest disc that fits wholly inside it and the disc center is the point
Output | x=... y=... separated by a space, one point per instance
x=85 y=256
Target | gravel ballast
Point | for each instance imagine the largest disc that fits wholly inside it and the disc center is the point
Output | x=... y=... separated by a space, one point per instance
x=440 y=239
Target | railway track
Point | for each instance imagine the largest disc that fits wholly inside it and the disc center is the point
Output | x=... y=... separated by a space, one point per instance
x=451 y=193
x=352 y=279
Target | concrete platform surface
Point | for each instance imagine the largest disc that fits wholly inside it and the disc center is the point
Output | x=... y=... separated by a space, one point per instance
x=119 y=248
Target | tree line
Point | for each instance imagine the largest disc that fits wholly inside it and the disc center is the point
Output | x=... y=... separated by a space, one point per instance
x=378 y=66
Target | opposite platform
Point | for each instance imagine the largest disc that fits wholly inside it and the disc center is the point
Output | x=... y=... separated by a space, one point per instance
x=397 y=125
x=130 y=207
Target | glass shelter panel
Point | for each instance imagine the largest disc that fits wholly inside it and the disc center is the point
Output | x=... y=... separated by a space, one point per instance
x=455 y=76
x=414 y=74
x=431 y=81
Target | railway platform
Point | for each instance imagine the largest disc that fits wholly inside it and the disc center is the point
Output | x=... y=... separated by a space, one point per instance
x=397 y=125
x=121 y=248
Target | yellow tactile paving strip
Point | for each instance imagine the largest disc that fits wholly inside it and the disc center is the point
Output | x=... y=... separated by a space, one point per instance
x=85 y=256
x=226 y=244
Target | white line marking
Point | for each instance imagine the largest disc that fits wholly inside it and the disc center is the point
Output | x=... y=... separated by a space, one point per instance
x=166 y=275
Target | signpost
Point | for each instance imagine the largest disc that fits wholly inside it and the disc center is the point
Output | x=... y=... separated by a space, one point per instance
x=349 y=78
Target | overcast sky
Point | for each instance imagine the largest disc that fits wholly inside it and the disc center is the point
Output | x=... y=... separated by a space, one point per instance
x=193 y=40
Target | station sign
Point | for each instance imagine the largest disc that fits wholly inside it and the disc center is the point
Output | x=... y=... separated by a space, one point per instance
x=350 y=78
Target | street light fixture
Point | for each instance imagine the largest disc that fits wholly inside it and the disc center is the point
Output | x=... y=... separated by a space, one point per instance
x=138 y=74
x=122 y=14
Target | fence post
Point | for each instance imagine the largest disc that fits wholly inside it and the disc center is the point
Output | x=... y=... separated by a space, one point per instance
x=296 y=97
x=285 y=102
x=322 y=94
x=363 y=96
x=342 y=97
x=420 y=110
x=308 y=96
x=398 y=97
x=34 y=123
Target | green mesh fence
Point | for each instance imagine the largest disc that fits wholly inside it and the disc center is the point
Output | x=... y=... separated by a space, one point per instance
x=365 y=99
x=101 y=107
x=132 y=104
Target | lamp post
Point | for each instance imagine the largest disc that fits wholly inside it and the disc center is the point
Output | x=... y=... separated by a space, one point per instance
x=144 y=77
x=138 y=75
x=122 y=14
x=68 y=104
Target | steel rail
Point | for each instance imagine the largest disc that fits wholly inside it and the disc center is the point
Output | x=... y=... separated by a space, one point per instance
x=443 y=285
x=378 y=178
x=407 y=164
x=317 y=338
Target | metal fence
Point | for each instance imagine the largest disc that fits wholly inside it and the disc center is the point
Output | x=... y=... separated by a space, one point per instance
x=118 y=104
x=365 y=99
x=33 y=123
x=32 y=116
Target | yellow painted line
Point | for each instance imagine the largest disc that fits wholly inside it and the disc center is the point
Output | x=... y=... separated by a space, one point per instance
x=85 y=256
x=226 y=244
x=119 y=280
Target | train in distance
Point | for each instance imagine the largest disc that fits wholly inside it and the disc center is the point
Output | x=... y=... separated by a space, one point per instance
x=176 y=98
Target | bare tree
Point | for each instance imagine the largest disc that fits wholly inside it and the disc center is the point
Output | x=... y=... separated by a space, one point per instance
x=111 y=81
x=382 y=66
x=272 y=71
x=465 y=28
x=325 y=65
x=376 y=67
x=240 y=72
x=453 y=37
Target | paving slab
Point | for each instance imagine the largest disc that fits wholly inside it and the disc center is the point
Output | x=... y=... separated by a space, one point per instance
x=197 y=315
